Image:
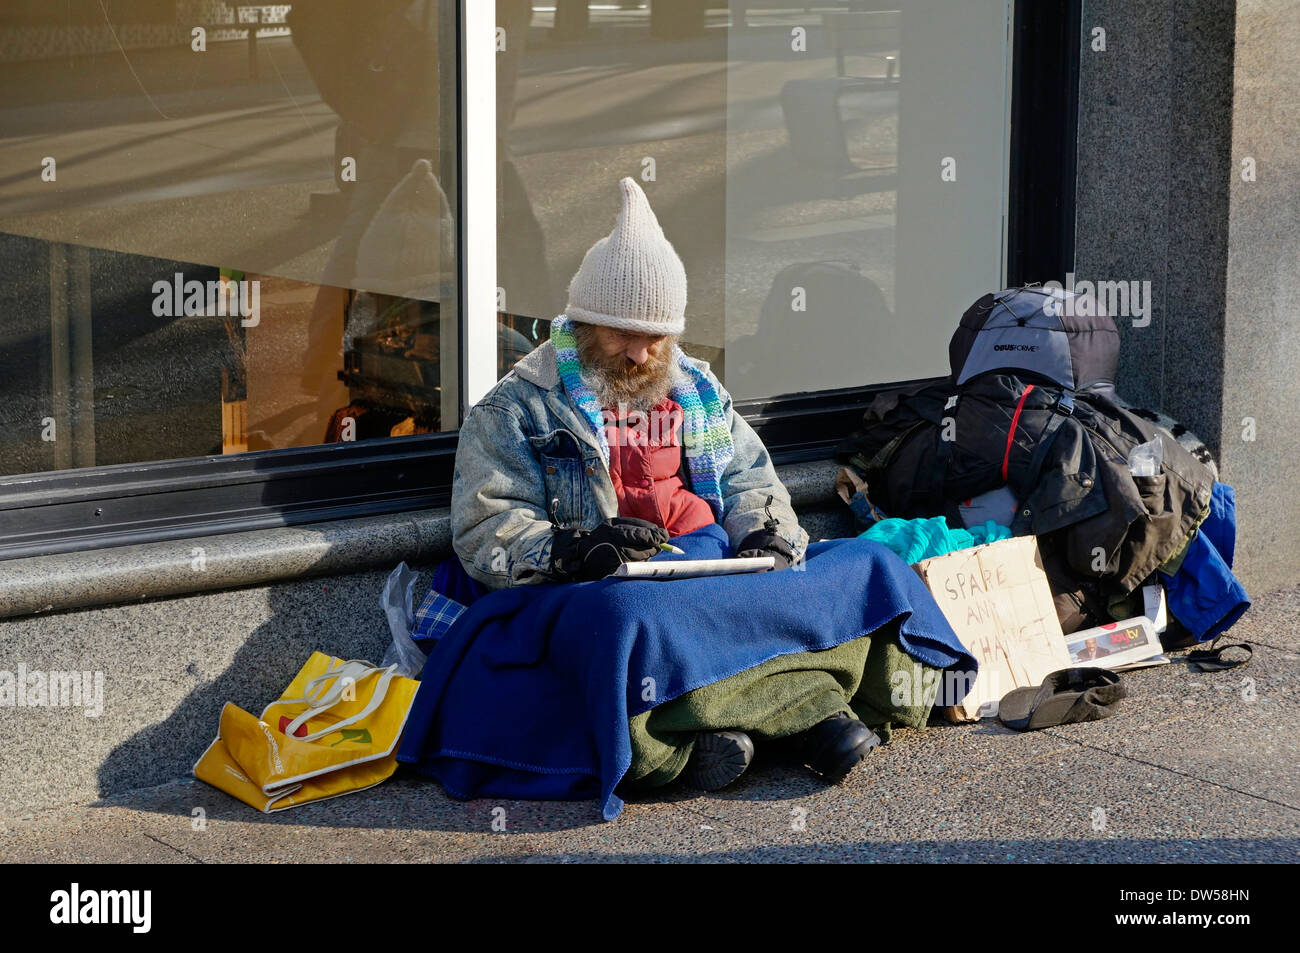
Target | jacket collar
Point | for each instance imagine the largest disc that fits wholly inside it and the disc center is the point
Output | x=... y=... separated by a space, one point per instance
x=538 y=366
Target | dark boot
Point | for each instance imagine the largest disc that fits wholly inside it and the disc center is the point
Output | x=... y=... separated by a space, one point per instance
x=719 y=757
x=834 y=747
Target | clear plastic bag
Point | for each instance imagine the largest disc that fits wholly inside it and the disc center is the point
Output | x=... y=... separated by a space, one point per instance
x=1146 y=458
x=398 y=602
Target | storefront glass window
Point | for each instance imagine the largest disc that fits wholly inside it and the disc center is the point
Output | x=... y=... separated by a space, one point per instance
x=833 y=175
x=224 y=227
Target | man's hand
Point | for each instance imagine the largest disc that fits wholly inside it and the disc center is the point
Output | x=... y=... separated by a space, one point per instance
x=762 y=543
x=581 y=555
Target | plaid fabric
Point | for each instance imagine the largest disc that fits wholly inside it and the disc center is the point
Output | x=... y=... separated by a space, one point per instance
x=435 y=616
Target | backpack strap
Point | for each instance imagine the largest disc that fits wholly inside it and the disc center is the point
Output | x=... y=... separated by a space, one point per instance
x=1064 y=408
x=933 y=481
x=1212 y=660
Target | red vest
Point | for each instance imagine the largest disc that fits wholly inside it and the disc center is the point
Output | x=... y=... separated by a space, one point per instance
x=645 y=462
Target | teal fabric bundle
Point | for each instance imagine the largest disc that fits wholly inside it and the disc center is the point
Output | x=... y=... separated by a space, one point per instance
x=919 y=539
x=706 y=438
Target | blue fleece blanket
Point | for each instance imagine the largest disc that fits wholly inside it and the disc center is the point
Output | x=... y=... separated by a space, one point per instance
x=529 y=693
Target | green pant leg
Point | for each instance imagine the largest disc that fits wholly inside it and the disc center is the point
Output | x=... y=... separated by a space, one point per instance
x=886 y=689
x=896 y=690
x=780 y=697
x=657 y=758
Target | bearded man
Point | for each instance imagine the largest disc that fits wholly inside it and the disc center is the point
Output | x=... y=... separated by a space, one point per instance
x=607 y=441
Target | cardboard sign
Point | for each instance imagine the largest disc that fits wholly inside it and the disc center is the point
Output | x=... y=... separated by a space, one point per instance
x=998 y=601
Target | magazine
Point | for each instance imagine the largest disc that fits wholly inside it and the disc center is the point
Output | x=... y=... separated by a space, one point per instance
x=1117 y=646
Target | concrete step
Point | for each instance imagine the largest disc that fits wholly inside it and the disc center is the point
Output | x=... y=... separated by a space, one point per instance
x=166 y=666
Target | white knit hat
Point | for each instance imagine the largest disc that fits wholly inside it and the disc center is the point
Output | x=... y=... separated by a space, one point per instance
x=632 y=279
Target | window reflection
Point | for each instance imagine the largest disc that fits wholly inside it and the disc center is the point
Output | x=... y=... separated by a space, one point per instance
x=306 y=149
x=795 y=156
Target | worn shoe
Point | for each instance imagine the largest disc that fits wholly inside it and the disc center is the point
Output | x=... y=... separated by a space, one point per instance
x=834 y=747
x=719 y=757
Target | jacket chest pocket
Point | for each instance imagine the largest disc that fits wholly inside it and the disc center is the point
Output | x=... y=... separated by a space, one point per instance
x=566 y=471
x=1152 y=491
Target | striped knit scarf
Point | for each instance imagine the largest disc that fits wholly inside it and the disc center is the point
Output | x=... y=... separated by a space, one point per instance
x=706 y=439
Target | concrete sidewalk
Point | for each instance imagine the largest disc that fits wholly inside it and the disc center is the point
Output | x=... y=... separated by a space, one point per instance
x=1196 y=768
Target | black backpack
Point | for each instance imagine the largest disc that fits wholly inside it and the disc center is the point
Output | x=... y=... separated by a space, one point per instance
x=1020 y=348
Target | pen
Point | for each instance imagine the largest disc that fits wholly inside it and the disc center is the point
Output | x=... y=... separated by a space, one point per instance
x=670 y=548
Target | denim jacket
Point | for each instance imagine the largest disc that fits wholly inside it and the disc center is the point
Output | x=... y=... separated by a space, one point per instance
x=525 y=449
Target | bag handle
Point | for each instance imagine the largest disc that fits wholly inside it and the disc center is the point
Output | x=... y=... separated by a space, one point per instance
x=317 y=694
x=335 y=694
x=322 y=698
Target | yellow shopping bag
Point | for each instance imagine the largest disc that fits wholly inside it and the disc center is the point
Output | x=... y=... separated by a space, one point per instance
x=333 y=731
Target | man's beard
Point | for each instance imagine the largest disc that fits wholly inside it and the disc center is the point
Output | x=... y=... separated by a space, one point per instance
x=616 y=380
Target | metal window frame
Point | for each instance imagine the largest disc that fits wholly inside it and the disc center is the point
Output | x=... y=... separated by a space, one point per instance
x=1046 y=44
x=478 y=220
x=134 y=503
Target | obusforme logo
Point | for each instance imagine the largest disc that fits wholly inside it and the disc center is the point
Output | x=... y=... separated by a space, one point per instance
x=75 y=906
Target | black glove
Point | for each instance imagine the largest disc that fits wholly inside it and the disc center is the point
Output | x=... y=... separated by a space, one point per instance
x=762 y=543
x=581 y=555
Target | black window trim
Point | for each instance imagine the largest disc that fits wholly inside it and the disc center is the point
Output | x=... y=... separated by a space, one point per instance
x=136 y=503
